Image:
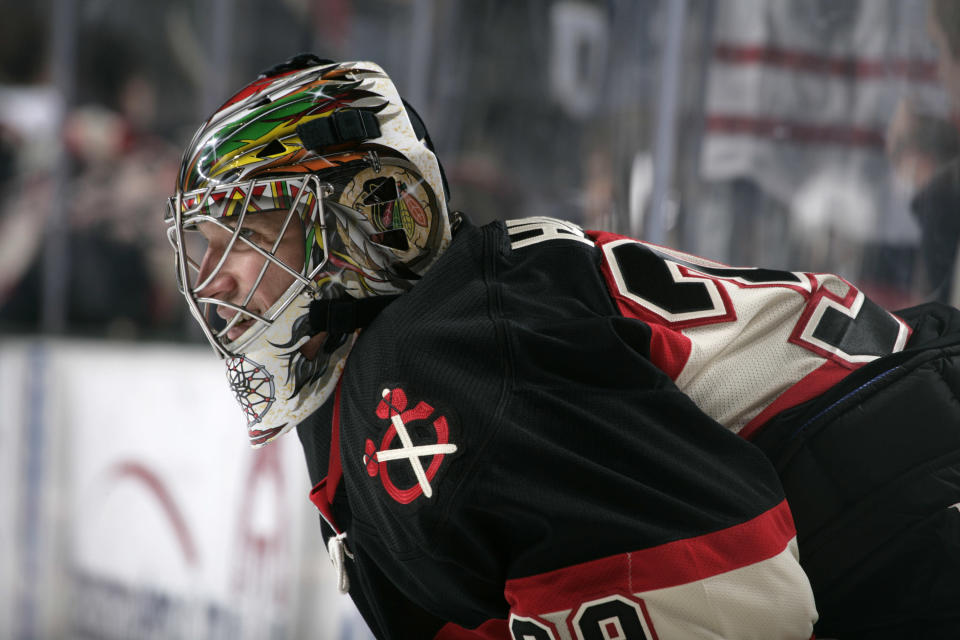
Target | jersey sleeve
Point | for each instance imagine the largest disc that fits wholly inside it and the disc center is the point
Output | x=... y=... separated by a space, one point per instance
x=745 y=343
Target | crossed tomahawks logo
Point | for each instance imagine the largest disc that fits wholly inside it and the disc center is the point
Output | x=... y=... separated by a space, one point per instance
x=393 y=407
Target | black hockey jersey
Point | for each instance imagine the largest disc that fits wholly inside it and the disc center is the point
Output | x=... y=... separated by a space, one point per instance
x=510 y=457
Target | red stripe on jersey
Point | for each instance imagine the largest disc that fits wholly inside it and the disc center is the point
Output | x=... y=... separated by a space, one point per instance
x=669 y=349
x=666 y=565
x=811 y=385
x=322 y=494
x=494 y=629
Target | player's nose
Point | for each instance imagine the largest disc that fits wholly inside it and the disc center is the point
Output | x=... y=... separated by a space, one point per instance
x=214 y=279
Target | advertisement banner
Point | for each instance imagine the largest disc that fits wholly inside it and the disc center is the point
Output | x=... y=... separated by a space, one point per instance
x=138 y=510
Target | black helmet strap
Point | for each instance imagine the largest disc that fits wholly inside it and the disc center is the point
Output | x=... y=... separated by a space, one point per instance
x=349 y=125
x=346 y=315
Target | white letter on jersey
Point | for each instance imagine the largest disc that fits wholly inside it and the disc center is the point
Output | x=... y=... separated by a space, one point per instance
x=526 y=231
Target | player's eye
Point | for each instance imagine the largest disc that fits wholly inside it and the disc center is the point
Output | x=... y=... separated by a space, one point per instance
x=259 y=237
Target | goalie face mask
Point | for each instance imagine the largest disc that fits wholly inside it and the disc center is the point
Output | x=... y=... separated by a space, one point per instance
x=309 y=184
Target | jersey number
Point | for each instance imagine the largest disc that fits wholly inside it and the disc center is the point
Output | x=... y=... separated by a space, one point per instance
x=682 y=293
x=611 y=618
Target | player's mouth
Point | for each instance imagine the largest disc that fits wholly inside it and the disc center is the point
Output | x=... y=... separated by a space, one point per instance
x=239 y=329
x=243 y=323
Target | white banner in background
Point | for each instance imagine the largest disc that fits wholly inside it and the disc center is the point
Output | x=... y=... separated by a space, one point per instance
x=802 y=92
x=167 y=524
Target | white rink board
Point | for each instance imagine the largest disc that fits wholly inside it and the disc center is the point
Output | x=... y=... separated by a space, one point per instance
x=155 y=519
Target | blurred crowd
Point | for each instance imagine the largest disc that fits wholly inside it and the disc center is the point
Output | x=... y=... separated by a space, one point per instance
x=96 y=171
x=924 y=150
x=810 y=135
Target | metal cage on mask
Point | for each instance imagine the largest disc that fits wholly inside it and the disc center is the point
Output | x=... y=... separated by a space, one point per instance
x=227 y=207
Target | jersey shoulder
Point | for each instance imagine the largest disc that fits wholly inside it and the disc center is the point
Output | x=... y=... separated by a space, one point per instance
x=746 y=343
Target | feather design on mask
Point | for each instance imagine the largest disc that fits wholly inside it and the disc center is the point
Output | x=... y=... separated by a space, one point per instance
x=302 y=370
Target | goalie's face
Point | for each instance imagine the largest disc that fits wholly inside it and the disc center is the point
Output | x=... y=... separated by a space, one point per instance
x=242 y=253
x=245 y=277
